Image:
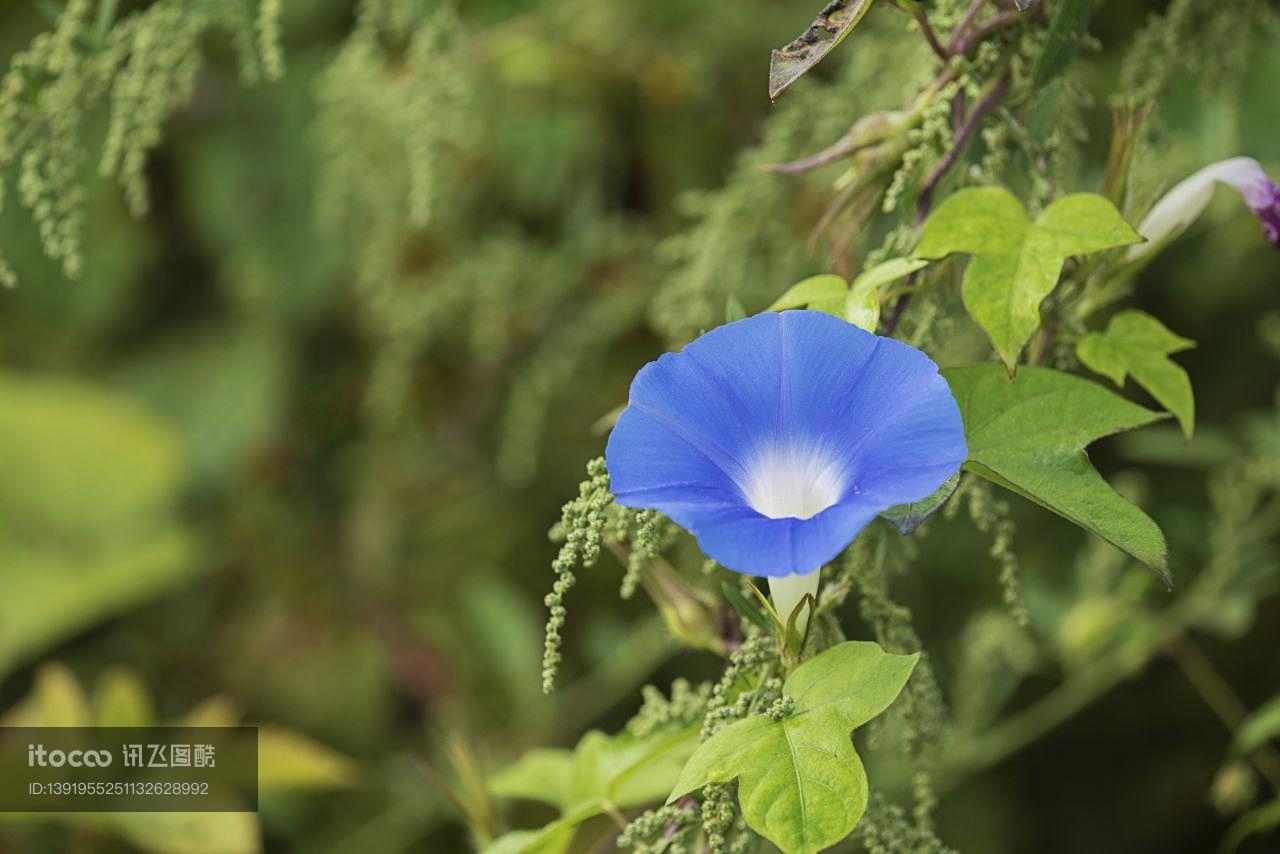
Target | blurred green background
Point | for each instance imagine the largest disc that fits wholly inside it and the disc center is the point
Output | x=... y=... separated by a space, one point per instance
x=288 y=449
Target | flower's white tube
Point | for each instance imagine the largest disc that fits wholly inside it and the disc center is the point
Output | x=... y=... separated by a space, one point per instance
x=788 y=590
x=1185 y=202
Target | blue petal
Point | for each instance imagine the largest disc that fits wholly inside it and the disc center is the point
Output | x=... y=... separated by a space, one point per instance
x=745 y=541
x=867 y=418
x=652 y=466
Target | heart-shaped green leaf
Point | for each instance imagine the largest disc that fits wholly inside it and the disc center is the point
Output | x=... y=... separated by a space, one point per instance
x=800 y=782
x=1029 y=436
x=1016 y=262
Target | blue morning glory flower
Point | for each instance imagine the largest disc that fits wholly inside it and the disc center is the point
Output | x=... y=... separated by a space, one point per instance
x=776 y=439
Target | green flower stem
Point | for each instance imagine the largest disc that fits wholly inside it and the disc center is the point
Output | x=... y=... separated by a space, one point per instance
x=1221 y=699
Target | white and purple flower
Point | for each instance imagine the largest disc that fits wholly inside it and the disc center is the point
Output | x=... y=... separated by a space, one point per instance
x=776 y=439
x=1185 y=202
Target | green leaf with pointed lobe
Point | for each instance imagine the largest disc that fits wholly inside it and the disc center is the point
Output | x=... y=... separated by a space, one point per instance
x=800 y=782
x=1136 y=344
x=1030 y=436
x=1016 y=262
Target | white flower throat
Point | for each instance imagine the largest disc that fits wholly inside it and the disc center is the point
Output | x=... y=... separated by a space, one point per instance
x=792 y=484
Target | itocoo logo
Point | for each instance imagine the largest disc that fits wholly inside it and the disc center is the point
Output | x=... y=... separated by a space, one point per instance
x=38 y=755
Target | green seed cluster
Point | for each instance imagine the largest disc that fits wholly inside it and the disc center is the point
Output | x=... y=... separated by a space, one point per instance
x=755 y=654
x=925 y=143
x=658 y=830
x=1209 y=42
x=268 y=32
x=144 y=67
x=582 y=521
x=646 y=543
x=992 y=516
x=1196 y=37
x=781 y=708
x=42 y=116
x=870 y=566
x=886 y=829
x=685 y=707
x=719 y=813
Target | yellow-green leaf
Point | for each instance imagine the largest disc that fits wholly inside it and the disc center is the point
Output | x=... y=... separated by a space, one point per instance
x=55 y=700
x=97 y=478
x=1137 y=344
x=825 y=293
x=121 y=699
x=602 y=774
x=862 y=305
x=1016 y=262
x=800 y=782
x=288 y=760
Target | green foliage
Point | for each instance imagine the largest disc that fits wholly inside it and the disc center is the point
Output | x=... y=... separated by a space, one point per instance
x=1260 y=727
x=602 y=775
x=582 y=525
x=1067 y=35
x=1029 y=436
x=143 y=68
x=857 y=302
x=414 y=272
x=1138 y=344
x=89 y=498
x=1016 y=262
x=739 y=242
x=1262 y=820
x=287 y=761
x=800 y=783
